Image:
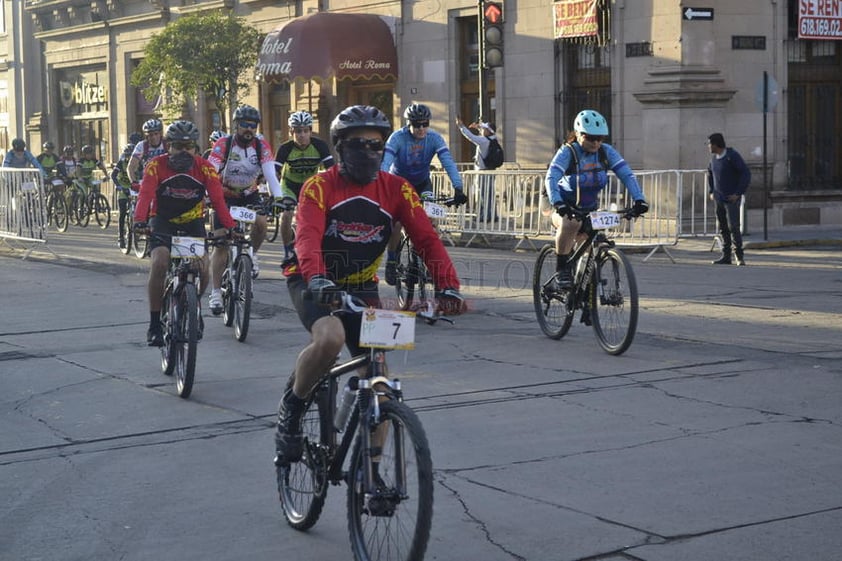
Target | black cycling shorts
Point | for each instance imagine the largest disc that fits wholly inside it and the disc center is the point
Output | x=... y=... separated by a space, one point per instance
x=252 y=199
x=309 y=311
x=194 y=228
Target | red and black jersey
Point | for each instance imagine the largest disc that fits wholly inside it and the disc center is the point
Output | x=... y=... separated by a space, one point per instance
x=179 y=196
x=343 y=228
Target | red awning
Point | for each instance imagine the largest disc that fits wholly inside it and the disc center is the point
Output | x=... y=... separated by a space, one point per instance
x=321 y=45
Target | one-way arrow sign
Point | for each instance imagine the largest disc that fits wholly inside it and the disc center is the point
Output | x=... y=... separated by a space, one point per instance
x=702 y=14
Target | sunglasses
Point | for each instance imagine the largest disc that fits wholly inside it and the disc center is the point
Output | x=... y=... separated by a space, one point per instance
x=247 y=124
x=182 y=145
x=420 y=124
x=593 y=137
x=357 y=143
x=301 y=130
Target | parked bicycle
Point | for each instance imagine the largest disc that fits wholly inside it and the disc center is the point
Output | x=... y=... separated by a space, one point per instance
x=237 y=277
x=181 y=312
x=604 y=287
x=414 y=281
x=390 y=472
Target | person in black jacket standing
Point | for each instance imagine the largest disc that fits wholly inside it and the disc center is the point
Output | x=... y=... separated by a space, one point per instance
x=728 y=179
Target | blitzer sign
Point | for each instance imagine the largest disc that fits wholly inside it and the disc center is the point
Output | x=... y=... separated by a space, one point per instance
x=83 y=93
x=820 y=19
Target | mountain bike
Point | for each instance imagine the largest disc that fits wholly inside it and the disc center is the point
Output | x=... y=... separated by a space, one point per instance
x=181 y=312
x=137 y=241
x=604 y=286
x=390 y=472
x=237 y=277
x=56 y=205
x=413 y=278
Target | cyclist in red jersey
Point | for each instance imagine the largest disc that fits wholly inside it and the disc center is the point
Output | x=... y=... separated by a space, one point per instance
x=345 y=217
x=173 y=194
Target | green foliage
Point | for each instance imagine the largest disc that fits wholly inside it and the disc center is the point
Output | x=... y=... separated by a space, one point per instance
x=204 y=53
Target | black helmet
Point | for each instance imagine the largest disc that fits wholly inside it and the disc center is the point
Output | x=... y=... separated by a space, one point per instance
x=135 y=137
x=359 y=117
x=181 y=131
x=18 y=144
x=48 y=146
x=247 y=113
x=128 y=149
x=153 y=125
x=87 y=149
x=417 y=112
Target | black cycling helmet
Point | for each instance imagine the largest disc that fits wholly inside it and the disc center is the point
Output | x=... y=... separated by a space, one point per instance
x=87 y=149
x=182 y=131
x=417 y=112
x=246 y=113
x=128 y=149
x=153 y=125
x=359 y=117
x=48 y=146
x=18 y=144
x=135 y=137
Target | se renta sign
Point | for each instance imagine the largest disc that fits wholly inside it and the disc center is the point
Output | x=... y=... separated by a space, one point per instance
x=820 y=19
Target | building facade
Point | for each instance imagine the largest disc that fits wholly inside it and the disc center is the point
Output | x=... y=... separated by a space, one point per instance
x=665 y=78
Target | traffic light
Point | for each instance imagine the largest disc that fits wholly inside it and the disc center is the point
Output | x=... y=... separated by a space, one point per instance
x=492 y=33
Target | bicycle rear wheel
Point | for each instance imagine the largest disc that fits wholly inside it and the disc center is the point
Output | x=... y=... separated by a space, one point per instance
x=394 y=522
x=407 y=275
x=302 y=486
x=128 y=229
x=425 y=289
x=229 y=296
x=552 y=305
x=242 y=298
x=168 y=315
x=83 y=212
x=615 y=302
x=102 y=211
x=274 y=226
x=141 y=244
x=186 y=349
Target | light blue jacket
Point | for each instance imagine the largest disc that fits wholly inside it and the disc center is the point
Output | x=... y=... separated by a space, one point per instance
x=410 y=158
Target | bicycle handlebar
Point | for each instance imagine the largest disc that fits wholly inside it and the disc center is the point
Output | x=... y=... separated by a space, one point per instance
x=342 y=301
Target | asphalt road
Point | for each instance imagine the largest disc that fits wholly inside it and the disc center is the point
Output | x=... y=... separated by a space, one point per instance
x=717 y=436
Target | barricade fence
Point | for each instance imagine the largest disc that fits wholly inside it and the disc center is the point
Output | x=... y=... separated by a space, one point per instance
x=23 y=214
x=511 y=202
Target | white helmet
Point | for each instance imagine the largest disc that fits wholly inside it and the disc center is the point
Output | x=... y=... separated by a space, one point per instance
x=300 y=119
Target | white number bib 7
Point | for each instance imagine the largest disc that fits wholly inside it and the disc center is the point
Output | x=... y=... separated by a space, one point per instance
x=187 y=247
x=387 y=329
x=243 y=214
x=601 y=220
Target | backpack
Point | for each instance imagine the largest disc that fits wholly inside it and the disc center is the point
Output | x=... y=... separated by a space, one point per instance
x=495 y=156
x=573 y=166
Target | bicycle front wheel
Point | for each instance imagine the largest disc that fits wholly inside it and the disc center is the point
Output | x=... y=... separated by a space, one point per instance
x=102 y=211
x=128 y=230
x=614 y=304
x=168 y=315
x=242 y=298
x=273 y=227
x=302 y=486
x=187 y=344
x=83 y=212
x=59 y=213
x=552 y=305
x=392 y=523
x=407 y=275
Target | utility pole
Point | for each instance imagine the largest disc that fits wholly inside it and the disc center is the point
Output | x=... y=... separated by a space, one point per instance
x=483 y=93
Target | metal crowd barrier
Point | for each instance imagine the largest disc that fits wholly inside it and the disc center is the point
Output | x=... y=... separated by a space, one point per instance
x=508 y=202
x=23 y=215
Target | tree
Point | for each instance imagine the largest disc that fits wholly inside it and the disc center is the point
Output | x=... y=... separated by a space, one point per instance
x=207 y=53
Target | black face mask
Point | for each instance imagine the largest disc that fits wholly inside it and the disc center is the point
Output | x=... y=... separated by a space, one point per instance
x=360 y=166
x=181 y=161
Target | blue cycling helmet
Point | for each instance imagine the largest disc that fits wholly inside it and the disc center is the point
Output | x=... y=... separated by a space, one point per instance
x=591 y=122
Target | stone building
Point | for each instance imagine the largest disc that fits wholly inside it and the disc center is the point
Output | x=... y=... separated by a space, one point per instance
x=664 y=76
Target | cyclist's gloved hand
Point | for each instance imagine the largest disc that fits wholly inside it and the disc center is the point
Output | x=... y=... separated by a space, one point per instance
x=640 y=207
x=322 y=289
x=458 y=199
x=286 y=203
x=562 y=208
x=427 y=196
x=450 y=301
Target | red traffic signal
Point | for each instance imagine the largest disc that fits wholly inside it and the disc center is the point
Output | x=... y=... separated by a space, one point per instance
x=493 y=13
x=492 y=34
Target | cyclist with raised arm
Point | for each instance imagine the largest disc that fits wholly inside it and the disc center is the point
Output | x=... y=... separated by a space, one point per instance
x=123 y=186
x=577 y=173
x=344 y=219
x=409 y=152
x=302 y=156
x=240 y=159
x=146 y=149
x=173 y=193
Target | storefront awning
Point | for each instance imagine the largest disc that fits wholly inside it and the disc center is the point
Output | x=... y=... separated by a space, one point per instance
x=321 y=45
